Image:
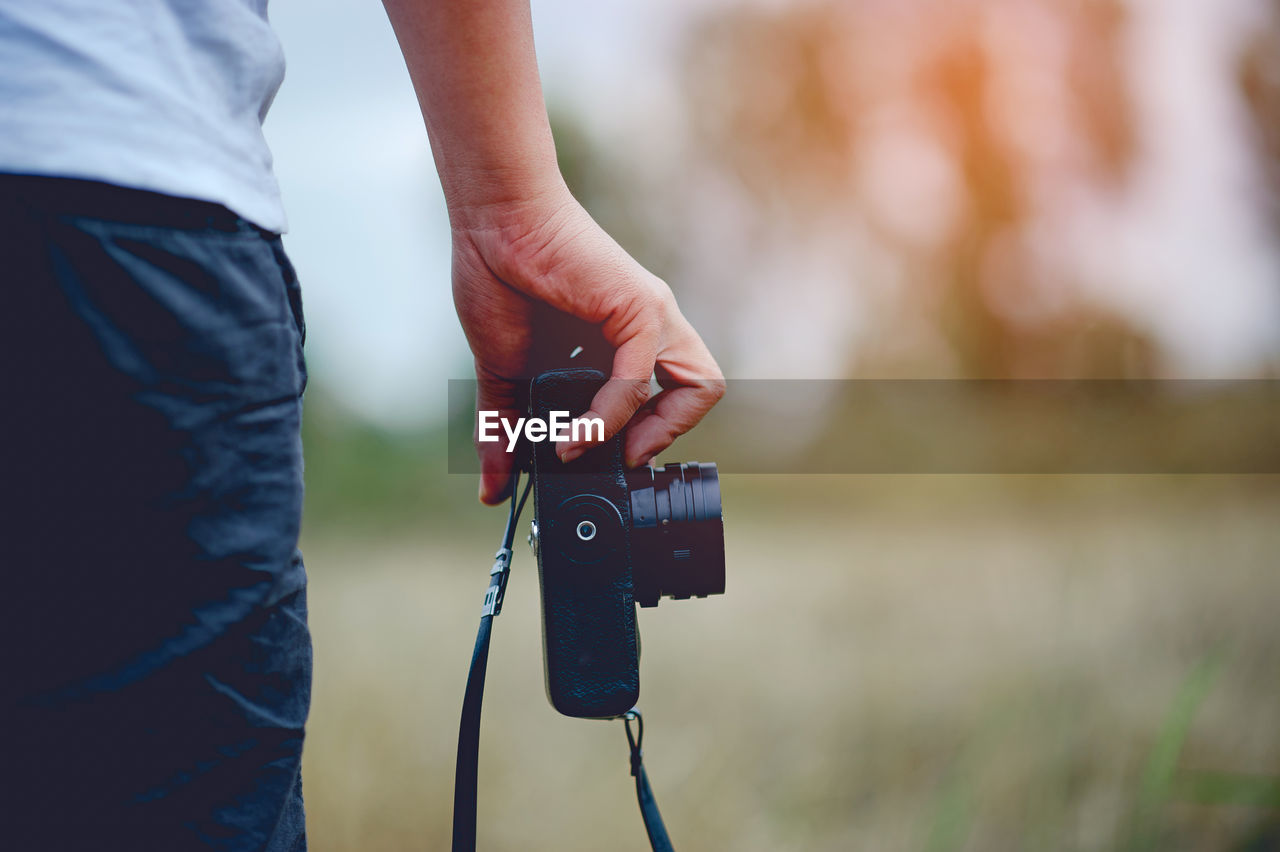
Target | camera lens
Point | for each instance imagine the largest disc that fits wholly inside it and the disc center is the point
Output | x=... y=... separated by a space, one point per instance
x=677 y=532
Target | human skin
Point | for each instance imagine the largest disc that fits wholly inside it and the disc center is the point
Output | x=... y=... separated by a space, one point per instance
x=520 y=237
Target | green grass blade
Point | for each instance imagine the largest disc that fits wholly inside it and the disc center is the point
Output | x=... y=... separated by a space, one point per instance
x=1158 y=777
x=1229 y=788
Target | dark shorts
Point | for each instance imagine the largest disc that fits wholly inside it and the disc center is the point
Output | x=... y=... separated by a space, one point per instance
x=157 y=666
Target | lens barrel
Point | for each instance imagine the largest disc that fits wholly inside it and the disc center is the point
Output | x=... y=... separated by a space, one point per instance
x=677 y=532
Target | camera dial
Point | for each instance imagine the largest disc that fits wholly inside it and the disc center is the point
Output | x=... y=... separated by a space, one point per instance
x=586 y=529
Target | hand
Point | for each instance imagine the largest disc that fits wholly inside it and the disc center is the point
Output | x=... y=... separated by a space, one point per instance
x=547 y=249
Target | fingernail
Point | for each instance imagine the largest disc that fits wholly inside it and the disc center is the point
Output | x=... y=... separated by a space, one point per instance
x=570 y=454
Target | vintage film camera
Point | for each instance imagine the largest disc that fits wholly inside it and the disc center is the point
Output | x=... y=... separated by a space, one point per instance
x=607 y=539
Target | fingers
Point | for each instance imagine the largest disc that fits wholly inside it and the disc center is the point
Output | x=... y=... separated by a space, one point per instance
x=494 y=393
x=692 y=384
x=495 y=475
x=668 y=416
x=623 y=394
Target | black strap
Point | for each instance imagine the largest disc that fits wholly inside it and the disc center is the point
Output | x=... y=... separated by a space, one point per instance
x=653 y=824
x=465 y=774
x=465 y=778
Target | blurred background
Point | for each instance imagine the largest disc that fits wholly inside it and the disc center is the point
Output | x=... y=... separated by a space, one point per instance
x=849 y=189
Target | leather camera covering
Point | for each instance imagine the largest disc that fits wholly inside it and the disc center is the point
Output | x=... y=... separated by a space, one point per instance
x=590 y=640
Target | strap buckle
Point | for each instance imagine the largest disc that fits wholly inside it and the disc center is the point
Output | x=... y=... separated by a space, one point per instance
x=498 y=575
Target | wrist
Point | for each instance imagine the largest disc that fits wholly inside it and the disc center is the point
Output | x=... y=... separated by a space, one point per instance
x=513 y=229
x=500 y=197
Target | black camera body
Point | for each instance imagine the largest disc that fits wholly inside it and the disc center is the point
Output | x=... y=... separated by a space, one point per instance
x=607 y=539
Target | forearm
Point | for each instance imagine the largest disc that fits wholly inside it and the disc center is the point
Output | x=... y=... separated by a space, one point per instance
x=519 y=237
x=473 y=67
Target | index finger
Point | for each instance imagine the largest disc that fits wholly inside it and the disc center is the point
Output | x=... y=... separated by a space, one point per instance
x=622 y=395
x=668 y=416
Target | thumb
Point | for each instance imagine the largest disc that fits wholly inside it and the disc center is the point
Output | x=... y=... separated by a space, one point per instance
x=494 y=394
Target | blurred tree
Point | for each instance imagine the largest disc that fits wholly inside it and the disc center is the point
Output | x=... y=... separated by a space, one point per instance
x=1258 y=73
x=794 y=103
x=770 y=97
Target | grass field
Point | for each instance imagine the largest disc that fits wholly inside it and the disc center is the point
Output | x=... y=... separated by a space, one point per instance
x=900 y=663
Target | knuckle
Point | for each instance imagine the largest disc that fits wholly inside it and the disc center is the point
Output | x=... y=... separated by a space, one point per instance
x=635 y=393
x=654 y=298
x=664 y=302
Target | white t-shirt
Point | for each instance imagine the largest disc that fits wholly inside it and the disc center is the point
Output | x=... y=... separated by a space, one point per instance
x=165 y=95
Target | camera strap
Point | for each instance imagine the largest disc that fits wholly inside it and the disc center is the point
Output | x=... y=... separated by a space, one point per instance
x=653 y=824
x=466 y=772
